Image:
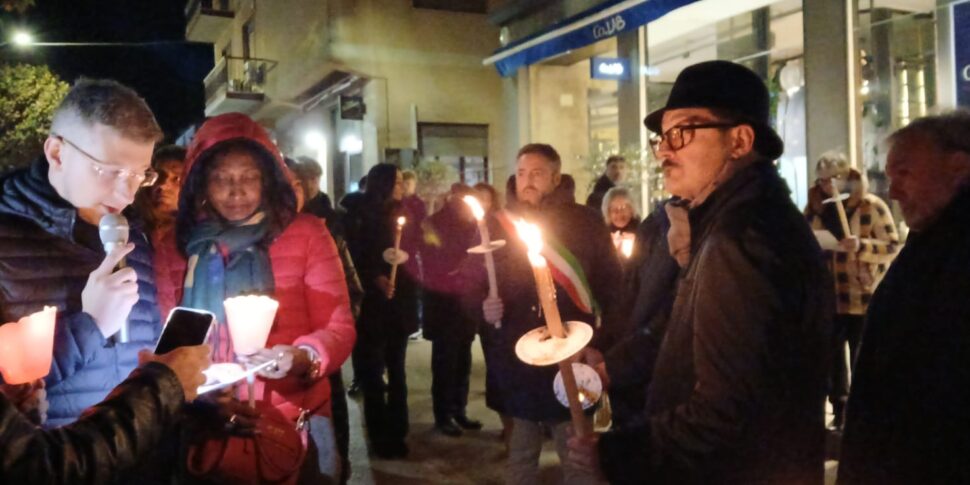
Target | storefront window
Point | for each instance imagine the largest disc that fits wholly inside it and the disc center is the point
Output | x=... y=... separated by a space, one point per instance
x=768 y=40
x=898 y=56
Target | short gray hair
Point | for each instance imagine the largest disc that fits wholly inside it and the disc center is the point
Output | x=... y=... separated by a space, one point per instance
x=615 y=193
x=949 y=132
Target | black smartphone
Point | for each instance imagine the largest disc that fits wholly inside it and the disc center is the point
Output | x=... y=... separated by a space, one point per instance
x=184 y=327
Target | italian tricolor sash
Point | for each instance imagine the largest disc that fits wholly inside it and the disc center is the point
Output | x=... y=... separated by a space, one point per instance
x=565 y=268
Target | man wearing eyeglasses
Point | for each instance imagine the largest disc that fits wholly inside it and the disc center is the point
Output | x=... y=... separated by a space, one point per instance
x=97 y=156
x=738 y=386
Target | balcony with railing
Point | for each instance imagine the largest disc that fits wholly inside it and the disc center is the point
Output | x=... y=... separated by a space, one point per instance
x=207 y=19
x=236 y=84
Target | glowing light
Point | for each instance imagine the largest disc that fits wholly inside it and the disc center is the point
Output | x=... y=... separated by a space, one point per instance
x=250 y=319
x=315 y=140
x=27 y=347
x=475 y=206
x=22 y=39
x=400 y=221
x=532 y=237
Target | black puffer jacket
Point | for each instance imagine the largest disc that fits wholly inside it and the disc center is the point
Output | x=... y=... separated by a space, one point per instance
x=109 y=440
x=46 y=255
x=737 y=394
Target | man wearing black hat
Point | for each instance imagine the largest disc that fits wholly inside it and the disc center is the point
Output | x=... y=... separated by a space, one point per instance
x=738 y=387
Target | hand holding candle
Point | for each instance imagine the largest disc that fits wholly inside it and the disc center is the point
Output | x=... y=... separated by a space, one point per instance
x=486 y=248
x=532 y=236
x=397 y=250
x=250 y=319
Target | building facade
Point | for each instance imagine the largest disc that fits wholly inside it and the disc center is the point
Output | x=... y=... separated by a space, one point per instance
x=843 y=74
x=355 y=82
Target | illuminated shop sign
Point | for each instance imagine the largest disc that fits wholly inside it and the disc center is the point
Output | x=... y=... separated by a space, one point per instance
x=613 y=68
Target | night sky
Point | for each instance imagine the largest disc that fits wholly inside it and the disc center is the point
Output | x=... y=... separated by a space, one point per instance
x=168 y=75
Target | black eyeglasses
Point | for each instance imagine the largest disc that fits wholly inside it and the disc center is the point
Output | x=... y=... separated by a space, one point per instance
x=107 y=174
x=679 y=136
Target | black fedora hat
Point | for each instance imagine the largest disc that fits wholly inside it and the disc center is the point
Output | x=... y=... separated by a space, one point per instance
x=726 y=86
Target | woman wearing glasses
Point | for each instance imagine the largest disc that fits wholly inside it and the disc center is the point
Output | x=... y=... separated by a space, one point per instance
x=238 y=232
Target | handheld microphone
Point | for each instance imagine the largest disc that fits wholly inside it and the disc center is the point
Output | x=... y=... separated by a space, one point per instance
x=113 y=230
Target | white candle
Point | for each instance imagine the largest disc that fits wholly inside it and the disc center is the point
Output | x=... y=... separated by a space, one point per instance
x=479 y=214
x=250 y=319
x=397 y=249
x=532 y=236
x=27 y=347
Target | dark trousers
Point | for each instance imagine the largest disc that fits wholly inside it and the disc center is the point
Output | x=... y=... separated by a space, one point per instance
x=385 y=409
x=846 y=328
x=451 y=367
x=341 y=422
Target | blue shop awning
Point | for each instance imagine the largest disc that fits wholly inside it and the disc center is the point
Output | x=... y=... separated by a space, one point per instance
x=604 y=21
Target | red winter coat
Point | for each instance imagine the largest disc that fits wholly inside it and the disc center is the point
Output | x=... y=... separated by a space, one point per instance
x=308 y=276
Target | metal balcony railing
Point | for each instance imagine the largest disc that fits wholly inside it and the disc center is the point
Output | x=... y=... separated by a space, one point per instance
x=238 y=75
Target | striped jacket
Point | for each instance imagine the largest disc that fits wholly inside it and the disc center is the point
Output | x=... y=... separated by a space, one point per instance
x=856 y=277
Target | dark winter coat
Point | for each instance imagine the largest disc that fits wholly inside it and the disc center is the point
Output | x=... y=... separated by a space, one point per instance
x=651 y=295
x=908 y=418
x=527 y=391
x=111 y=438
x=447 y=235
x=375 y=232
x=602 y=186
x=46 y=255
x=737 y=394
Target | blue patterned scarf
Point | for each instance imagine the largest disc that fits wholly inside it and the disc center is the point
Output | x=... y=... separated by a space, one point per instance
x=226 y=260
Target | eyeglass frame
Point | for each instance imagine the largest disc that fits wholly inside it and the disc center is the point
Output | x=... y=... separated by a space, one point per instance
x=656 y=140
x=100 y=167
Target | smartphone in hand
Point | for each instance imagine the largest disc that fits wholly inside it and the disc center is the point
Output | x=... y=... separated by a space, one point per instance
x=184 y=327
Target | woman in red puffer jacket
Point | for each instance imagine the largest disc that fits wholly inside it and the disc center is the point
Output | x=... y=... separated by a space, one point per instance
x=238 y=232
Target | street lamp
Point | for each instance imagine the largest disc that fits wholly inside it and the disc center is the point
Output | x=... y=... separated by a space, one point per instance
x=22 y=39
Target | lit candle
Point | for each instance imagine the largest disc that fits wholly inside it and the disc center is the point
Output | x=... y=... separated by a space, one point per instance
x=397 y=249
x=626 y=245
x=250 y=319
x=532 y=236
x=479 y=214
x=27 y=347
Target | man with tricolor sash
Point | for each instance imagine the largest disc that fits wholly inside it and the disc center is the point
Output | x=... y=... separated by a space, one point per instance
x=588 y=280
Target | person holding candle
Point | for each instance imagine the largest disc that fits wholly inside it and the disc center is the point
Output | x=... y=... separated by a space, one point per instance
x=622 y=219
x=448 y=234
x=738 y=386
x=526 y=390
x=389 y=313
x=96 y=158
x=857 y=266
x=237 y=233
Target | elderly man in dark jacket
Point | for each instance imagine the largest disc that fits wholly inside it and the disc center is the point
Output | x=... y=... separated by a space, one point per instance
x=527 y=390
x=113 y=437
x=908 y=417
x=737 y=394
x=97 y=155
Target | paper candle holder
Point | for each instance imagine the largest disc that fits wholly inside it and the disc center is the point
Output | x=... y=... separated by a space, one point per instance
x=537 y=347
x=587 y=381
x=27 y=347
x=250 y=319
x=395 y=256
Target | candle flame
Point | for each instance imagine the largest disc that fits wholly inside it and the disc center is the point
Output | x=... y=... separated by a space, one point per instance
x=626 y=247
x=400 y=221
x=582 y=397
x=475 y=206
x=531 y=235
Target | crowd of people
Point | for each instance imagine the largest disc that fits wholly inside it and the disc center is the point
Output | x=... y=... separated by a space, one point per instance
x=720 y=321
